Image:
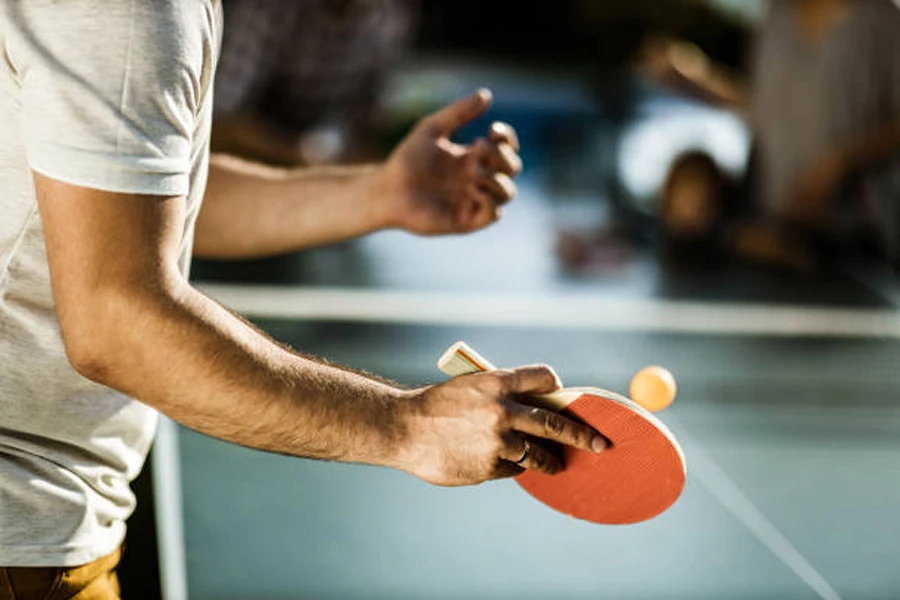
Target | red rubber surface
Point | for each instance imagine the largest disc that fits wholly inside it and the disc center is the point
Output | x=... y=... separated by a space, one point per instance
x=639 y=476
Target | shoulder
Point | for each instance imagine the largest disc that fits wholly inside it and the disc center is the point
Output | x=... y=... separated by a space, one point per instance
x=149 y=38
x=112 y=91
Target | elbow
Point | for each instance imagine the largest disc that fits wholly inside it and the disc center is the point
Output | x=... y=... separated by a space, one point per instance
x=99 y=333
x=88 y=353
x=108 y=331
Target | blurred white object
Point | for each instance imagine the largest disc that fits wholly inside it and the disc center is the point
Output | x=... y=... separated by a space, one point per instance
x=648 y=148
x=323 y=144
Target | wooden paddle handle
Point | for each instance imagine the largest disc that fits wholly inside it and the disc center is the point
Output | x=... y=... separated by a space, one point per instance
x=461 y=359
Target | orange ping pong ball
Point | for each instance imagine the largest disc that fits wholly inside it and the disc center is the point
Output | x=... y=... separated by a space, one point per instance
x=653 y=388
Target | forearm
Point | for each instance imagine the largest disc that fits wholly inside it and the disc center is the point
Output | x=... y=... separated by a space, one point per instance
x=681 y=65
x=251 y=210
x=186 y=356
x=712 y=85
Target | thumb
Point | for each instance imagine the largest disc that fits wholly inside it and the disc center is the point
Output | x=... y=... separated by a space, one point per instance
x=453 y=116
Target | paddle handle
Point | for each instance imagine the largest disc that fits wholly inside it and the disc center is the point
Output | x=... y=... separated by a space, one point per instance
x=461 y=359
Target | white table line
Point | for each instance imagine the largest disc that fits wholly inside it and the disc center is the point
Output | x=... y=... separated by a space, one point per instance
x=704 y=469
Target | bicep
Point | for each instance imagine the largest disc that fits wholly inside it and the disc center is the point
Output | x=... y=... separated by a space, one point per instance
x=103 y=247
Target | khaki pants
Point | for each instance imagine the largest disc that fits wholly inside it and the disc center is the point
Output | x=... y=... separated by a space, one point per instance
x=93 y=581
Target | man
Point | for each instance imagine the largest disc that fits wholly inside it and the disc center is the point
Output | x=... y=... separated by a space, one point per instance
x=824 y=111
x=105 y=116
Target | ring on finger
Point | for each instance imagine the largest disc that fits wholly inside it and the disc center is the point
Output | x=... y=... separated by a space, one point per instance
x=525 y=451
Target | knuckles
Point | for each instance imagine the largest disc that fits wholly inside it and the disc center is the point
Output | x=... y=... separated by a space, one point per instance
x=490 y=384
x=553 y=424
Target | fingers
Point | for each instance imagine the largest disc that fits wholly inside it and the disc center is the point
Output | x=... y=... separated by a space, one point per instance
x=530 y=380
x=504 y=133
x=455 y=115
x=499 y=186
x=526 y=454
x=498 y=157
x=479 y=210
x=552 y=426
x=497 y=163
x=505 y=469
x=481 y=433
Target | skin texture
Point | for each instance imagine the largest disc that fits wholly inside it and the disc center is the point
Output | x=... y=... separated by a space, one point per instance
x=132 y=322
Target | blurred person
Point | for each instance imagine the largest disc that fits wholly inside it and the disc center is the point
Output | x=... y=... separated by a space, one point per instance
x=107 y=190
x=824 y=110
x=301 y=82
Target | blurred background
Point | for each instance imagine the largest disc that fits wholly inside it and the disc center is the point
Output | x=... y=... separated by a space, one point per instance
x=708 y=185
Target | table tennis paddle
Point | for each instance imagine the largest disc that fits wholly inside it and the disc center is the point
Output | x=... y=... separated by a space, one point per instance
x=637 y=477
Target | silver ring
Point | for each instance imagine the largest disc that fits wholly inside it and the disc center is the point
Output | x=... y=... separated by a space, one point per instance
x=525 y=451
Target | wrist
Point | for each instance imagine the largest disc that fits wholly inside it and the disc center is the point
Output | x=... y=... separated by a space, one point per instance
x=409 y=452
x=390 y=194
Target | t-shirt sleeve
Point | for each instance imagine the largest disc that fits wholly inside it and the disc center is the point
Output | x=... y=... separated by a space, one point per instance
x=110 y=92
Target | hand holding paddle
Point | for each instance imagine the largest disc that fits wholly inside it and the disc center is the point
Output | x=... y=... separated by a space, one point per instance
x=473 y=428
x=639 y=476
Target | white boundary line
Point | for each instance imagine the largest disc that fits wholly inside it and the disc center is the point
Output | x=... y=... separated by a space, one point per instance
x=727 y=493
x=558 y=311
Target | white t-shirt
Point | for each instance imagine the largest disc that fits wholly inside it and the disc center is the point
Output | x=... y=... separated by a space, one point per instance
x=114 y=96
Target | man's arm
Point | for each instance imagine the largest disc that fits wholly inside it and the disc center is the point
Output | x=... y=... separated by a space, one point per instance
x=429 y=185
x=252 y=210
x=132 y=322
x=684 y=67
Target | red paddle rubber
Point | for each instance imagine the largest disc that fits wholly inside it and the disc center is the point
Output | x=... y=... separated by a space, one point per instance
x=639 y=476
